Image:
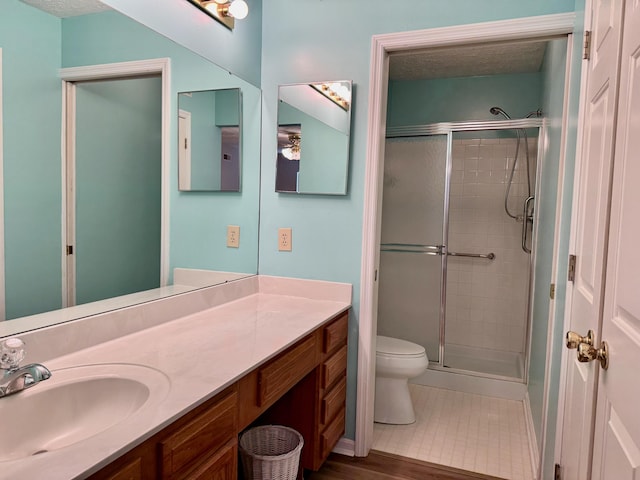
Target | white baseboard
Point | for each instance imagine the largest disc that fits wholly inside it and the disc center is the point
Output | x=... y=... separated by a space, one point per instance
x=345 y=446
x=531 y=433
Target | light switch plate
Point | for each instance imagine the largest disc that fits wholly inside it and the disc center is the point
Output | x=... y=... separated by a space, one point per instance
x=233 y=236
x=284 y=239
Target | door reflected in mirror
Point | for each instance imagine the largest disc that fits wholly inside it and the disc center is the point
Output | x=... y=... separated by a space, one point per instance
x=210 y=132
x=314 y=123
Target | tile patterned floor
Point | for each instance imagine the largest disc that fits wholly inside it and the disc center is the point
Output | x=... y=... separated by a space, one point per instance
x=473 y=432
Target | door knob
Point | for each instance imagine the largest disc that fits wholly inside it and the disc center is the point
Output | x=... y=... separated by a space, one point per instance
x=573 y=339
x=587 y=353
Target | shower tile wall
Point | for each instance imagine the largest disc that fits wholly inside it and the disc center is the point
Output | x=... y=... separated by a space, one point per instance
x=487 y=300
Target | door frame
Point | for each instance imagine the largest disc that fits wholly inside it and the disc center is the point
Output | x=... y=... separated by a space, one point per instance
x=566 y=321
x=115 y=71
x=2 y=263
x=381 y=46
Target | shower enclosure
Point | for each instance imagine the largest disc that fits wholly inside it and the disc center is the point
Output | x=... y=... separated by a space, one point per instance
x=456 y=241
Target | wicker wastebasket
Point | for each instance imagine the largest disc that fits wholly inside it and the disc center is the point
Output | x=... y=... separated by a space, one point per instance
x=270 y=452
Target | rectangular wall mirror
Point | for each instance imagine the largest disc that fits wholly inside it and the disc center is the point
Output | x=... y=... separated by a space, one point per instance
x=314 y=123
x=134 y=169
x=209 y=140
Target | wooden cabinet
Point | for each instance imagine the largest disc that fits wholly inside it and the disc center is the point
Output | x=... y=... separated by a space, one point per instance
x=303 y=387
x=315 y=406
x=198 y=437
x=202 y=444
x=333 y=389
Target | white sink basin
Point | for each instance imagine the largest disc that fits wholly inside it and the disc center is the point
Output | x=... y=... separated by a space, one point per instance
x=75 y=404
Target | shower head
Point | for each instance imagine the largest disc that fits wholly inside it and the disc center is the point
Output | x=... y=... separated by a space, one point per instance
x=499 y=111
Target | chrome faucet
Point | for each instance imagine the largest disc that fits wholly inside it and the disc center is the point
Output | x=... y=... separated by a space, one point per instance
x=13 y=377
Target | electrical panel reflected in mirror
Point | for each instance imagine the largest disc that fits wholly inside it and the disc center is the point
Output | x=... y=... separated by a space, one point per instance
x=314 y=124
x=209 y=140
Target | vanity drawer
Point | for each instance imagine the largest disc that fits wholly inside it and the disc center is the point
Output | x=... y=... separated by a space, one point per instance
x=333 y=401
x=331 y=435
x=221 y=466
x=202 y=435
x=335 y=333
x=334 y=367
x=130 y=471
x=282 y=373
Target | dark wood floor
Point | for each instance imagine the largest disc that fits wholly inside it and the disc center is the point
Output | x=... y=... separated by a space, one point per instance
x=386 y=466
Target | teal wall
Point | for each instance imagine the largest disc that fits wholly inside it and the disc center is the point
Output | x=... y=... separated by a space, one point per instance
x=314 y=55
x=118 y=187
x=198 y=219
x=227 y=111
x=205 y=138
x=237 y=51
x=545 y=207
x=419 y=102
x=32 y=165
x=322 y=152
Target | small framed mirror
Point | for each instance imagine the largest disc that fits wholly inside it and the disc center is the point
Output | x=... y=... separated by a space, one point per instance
x=314 y=125
x=210 y=140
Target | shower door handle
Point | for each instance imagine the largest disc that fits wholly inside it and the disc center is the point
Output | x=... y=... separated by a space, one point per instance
x=526 y=218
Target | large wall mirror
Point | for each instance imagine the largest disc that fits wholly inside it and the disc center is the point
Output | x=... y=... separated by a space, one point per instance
x=314 y=124
x=209 y=140
x=125 y=169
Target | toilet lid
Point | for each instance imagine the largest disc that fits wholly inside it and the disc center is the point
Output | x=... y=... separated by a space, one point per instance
x=395 y=346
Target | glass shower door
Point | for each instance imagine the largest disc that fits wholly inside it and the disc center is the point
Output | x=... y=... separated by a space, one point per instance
x=411 y=264
x=487 y=289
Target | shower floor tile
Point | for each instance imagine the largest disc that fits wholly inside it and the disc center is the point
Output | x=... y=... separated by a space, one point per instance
x=474 y=432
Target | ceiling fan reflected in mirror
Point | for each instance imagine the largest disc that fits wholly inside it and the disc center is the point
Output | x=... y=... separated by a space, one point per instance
x=292 y=150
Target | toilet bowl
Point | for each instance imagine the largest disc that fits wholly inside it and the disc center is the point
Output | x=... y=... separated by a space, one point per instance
x=396 y=362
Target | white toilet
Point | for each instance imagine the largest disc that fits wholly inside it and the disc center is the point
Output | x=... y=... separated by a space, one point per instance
x=396 y=362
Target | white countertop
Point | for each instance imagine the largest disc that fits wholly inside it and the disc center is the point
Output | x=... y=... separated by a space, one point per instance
x=200 y=354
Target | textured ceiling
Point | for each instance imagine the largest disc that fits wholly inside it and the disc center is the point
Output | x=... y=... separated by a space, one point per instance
x=68 y=8
x=490 y=59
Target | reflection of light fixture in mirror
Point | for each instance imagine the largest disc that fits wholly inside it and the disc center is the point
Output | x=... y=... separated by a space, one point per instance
x=224 y=11
x=292 y=151
x=336 y=92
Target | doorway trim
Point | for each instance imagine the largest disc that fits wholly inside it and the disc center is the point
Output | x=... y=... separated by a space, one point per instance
x=158 y=66
x=2 y=263
x=381 y=45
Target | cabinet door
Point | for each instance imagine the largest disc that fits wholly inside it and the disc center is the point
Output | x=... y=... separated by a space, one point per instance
x=130 y=471
x=199 y=437
x=221 y=466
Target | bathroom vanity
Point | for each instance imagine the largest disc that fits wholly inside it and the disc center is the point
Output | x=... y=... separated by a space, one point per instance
x=270 y=350
x=305 y=386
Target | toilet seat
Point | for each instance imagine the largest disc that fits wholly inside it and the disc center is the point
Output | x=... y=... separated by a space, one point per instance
x=395 y=347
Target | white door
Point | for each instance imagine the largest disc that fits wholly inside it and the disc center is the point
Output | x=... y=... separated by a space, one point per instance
x=589 y=233
x=184 y=150
x=617 y=430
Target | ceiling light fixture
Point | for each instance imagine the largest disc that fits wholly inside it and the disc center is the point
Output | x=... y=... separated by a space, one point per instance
x=336 y=92
x=224 y=11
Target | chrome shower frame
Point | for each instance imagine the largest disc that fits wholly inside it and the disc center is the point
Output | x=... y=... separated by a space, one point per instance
x=449 y=129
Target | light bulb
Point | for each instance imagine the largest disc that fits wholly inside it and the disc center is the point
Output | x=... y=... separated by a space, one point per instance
x=239 y=9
